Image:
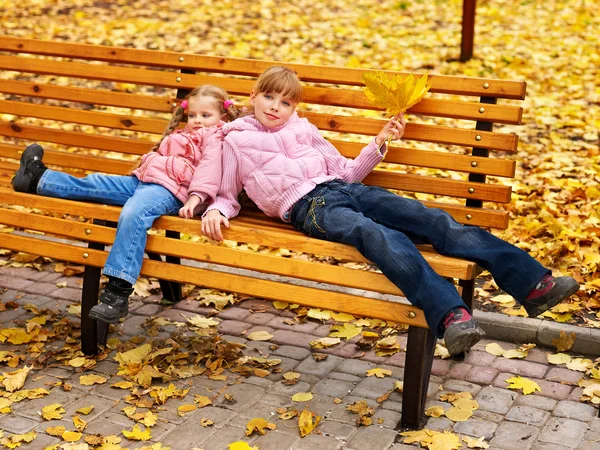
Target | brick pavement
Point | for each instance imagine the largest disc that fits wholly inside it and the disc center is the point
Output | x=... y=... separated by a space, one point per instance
x=551 y=419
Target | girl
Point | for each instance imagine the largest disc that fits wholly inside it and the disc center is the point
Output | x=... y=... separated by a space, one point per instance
x=183 y=161
x=289 y=170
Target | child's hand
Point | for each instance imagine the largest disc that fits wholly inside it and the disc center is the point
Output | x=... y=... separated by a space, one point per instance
x=211 y=224
x=395 y=127
x=189 y=209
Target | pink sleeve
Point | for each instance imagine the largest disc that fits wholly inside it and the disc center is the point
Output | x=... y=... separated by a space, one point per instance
x=231 y=186
x=350 y=170
x=207 y=174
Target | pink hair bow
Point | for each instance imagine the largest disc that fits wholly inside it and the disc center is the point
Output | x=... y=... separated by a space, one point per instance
x=184 y=104
x=227 y=104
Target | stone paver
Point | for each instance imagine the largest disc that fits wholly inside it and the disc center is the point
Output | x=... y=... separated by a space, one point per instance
x=553 y=419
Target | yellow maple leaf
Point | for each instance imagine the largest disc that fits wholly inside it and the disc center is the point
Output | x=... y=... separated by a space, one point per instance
x=16 y=379
x=319 y=314
x=53 y=411
x=494 y=349
x=71 y=436
x=149 y=419
x=564 y=341
x=291 y=376
x=280 y=305
x=90 y=380
x=528 y=386
x=137 y=434
x=259 y=424
x=302 y=397
x=260 y=336
x=241 y=445
x=144 y=376
x=559 y=358
x=325 y=342
x=379 y=372
x=515 y=353
x=459 y=414
x=561 y=318
x=202 y=322
x=86 y=410
x=307 y=421
x=56 y=431
x=16 y=336
x=346 y=330
x=434 y=411
x=15 y=440
x=122 y=385
x=201 y=400
x=475 y=443
x=135 y=355
x=181 y=410
x=342 y=317
x=79 y=423
x=205 y=422
x=580 y=364
x=395 y=94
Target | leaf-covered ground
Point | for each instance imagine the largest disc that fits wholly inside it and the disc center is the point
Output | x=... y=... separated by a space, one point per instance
x=553 y=45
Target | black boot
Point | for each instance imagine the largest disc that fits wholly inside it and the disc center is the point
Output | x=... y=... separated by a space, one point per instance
x=114 y=301
x=30 y=170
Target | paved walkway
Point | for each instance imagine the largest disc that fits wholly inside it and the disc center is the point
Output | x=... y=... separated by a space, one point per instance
x=553 y=419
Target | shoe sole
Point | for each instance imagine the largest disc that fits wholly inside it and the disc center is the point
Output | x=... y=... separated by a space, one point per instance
x=467 y=340
x=93 y=316
x=541 y=309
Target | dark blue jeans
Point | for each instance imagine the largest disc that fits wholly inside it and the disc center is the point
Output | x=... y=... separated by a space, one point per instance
x=385 y=227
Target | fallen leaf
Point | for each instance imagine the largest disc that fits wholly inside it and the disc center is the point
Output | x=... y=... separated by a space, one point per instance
x=564 y=341
x=260 y=336
x=528 y=386
x=307 y=421
x=379 y=372
x=302 y=397
x=259 y=425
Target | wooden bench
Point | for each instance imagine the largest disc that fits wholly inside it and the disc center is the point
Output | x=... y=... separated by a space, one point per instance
x=93 y=107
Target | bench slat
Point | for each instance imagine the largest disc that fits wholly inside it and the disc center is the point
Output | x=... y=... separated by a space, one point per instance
x=427 y=106
x=336 y=75
x=435 y=160
x=175 y=80
x=277 y=236
x=198 y=251
x=97 y=141
x=74 y=115
x=336 y=301
x=93 y=96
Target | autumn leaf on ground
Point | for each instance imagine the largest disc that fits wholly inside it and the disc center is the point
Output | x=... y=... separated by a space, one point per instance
x=201 y=400
x=79 y=423
x=181 y=410
x=433 y=439
x=319 y=314
x=205 y=422
x=241 y=445
x=580 y=364
x=342 y=317
x=71 y=436
x=325 y=342
x=136 y=434
x=495 y=349
x=291 y=378
x=564 y=341
x=528 y=386
x=558 y=358
x=202 y=322
x=475 y=443
x=259 y=425
x=307 y=421
x=260 y=336
x=16 y=379
x=53 y=411
x=441 y=351
x=15 y=440
x=56 y=431
x=85 y=411
x=90 y=380
x=379 y=372
x=302 y=397
x=364 y=412
x=346 y=330
x=387 y=346
x=434 y=411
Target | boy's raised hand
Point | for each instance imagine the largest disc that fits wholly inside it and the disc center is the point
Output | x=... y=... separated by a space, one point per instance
x=395 y=127
x=211 y=224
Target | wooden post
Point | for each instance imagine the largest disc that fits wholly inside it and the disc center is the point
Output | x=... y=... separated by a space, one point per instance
x=468 y=30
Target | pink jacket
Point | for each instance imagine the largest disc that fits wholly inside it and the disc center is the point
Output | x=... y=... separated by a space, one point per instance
x=278 y=166
x=185 y=163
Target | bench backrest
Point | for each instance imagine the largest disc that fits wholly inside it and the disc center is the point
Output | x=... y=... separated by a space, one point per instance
x=97 y=108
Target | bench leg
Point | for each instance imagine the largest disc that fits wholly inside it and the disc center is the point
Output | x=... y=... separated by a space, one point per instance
x=419 y=358
x=90 y=329
x=171 y=290
x=468 y=291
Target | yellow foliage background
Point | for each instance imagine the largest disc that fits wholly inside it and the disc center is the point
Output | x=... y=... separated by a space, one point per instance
x=553 y=45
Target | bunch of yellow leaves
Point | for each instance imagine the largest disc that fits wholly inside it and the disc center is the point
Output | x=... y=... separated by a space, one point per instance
x=395 y=94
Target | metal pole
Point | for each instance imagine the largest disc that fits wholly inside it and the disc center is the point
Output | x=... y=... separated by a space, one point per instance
x=468 y=30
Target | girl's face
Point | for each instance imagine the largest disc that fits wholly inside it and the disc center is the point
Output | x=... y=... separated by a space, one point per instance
x=271 y=109
x=203 y=112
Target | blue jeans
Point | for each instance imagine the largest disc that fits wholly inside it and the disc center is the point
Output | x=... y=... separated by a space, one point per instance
x=142 y=204
x=385 y=227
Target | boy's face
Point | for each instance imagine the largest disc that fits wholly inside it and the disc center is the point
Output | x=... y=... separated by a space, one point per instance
x=270 y=109
x=203 y=112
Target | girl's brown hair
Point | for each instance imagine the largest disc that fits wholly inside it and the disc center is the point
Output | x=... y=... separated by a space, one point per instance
x=206 y=90
x=280 y=80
